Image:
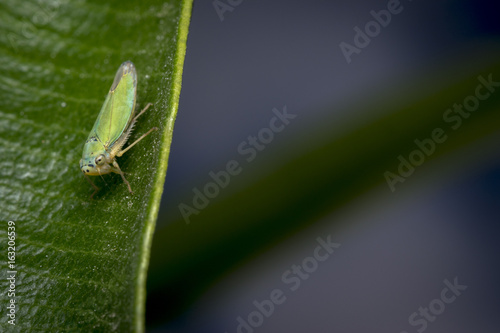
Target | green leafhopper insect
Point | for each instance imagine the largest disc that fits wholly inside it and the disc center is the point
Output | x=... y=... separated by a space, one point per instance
x=113 y=127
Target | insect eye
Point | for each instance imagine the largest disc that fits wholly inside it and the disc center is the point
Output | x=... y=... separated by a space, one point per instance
x=99 y=160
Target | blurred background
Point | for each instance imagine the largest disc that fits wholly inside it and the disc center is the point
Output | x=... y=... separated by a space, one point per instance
x=322 y=175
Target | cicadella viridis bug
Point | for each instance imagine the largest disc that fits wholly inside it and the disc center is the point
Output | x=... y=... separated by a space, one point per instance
x=113 y=127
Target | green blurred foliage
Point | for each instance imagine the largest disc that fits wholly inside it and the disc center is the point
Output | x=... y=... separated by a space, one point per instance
x=287 y=196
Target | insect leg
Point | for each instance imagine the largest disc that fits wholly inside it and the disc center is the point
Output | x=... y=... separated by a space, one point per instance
x=121 y=152
x=117 y=170
x=143 y=110
x=93 y=185
x=117 y=148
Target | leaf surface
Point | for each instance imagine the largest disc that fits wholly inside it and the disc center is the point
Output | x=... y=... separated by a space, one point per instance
x=81 y=264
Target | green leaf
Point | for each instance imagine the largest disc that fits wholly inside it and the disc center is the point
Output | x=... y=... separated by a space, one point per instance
x=81 y=264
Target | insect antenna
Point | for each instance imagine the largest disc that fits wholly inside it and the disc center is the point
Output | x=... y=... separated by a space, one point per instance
x=104 y=181
x=100 y=175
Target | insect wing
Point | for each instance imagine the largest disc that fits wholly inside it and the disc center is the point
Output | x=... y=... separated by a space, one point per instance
x=118 y=108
